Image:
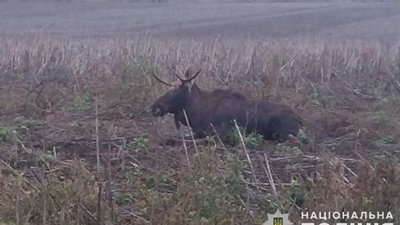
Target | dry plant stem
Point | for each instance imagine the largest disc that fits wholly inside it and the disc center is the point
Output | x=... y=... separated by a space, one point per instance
x=80 y=191
x=396 y=84
x=28 y=215
x=137 y=216
x=246 y=207
x=342 y=175
x=350 y=170
x=191 y=133
x=44 y=216
x=217 y=135
x=23 y=146
x=108 y=180
x=245 y=150
x=55 y=153
x=269 y=175
x=17 y=214
x=97 y=138
x=268 y=172
x=16 y=173
x=87 y=212
x=185 y=147
x=99 y=194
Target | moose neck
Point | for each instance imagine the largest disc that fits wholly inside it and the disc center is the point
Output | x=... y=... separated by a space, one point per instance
x=194 y=97
x=193 y=104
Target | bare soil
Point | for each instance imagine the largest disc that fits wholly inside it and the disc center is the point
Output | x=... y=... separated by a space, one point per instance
x=257 y=19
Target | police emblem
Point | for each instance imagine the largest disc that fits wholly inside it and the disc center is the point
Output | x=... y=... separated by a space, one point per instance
x=277 y=219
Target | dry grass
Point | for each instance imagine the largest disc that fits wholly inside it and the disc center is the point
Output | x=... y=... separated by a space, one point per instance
x=348 y=93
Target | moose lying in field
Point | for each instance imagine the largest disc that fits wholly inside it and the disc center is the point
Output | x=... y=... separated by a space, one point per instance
x=220 y=107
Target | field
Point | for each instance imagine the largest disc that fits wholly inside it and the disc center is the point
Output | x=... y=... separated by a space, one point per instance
x=252 y=20
x=79 y=146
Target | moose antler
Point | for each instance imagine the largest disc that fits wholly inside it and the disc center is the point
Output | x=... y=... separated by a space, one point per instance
x=187 y=75
x=159 y=79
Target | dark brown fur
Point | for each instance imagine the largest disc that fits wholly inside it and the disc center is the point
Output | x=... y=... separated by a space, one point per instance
x=221 y=107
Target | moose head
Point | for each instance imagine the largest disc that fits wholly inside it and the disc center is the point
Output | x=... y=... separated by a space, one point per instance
x=174 y=100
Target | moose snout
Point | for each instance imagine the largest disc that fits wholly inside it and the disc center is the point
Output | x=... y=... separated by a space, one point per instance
x=158 y=110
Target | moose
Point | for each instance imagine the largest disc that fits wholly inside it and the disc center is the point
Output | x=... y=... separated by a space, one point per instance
x=210 y=112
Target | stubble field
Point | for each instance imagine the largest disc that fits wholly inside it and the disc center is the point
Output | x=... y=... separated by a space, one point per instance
x=79 y=146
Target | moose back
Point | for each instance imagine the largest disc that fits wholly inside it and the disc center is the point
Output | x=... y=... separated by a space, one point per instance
x=214 y=111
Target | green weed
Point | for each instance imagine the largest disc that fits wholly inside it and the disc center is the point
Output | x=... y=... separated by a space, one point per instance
x=8 y=134
x=80 y=102
x=123 y=199
x=385 y=140
x=288 y=149
x=297 y=194
x=138 y=143
x=250 y=140
x=382 y=119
